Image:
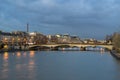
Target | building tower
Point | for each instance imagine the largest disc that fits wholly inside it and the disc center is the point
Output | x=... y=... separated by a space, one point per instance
x=27 y=27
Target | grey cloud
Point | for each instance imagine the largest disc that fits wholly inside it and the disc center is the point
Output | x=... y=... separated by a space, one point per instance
x=52 y=15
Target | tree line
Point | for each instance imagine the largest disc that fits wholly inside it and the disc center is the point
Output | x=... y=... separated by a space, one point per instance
x=115 y=39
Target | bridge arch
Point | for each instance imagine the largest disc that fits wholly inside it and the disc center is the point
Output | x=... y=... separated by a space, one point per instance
x=38 y=47
x=61 y=46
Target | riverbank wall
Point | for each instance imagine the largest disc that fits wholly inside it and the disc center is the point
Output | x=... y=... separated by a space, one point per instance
x=115 y=54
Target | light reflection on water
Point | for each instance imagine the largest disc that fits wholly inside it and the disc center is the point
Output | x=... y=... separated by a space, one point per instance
x=55 y=65
x=5 y=70
x=24 y=54
x=18 y=54
x=5 y=56
x=32 y=53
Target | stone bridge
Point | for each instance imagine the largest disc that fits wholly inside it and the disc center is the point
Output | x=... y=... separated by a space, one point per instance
x=110 y=47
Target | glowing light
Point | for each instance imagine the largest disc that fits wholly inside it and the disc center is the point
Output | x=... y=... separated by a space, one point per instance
x=6 y=46
x=18 y=54
x=18 y=39
x=6 y=39
x=13 y=39
x=32 y=53
x=31 y=63
x=5 y=55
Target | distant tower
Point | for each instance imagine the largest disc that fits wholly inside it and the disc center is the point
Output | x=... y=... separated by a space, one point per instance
x=27 y=27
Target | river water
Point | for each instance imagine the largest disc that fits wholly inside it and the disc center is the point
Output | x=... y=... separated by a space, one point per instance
x=59 y=65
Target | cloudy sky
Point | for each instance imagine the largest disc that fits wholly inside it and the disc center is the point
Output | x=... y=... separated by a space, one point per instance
x=85 y=18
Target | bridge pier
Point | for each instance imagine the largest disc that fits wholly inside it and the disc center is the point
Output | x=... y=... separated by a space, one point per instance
x=82 y=48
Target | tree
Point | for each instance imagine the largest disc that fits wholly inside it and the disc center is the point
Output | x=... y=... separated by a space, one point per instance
x=116 y=41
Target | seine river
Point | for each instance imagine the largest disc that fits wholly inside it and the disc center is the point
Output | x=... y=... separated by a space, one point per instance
x=59 y=65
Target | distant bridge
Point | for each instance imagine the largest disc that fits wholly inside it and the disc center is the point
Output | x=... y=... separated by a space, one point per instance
x=110 y=47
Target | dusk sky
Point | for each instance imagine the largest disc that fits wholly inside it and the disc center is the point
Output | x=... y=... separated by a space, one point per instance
x=85 y=18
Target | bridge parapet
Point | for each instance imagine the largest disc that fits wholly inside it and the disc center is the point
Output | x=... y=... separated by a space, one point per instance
x=110 y=47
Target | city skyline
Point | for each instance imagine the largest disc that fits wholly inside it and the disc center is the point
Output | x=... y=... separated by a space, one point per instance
x=85 y=18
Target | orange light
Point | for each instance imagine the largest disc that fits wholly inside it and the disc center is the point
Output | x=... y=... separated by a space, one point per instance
x=18 y=54
x=13 y=39
x=5 y=56
x=32 y=53
x=31 y=63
